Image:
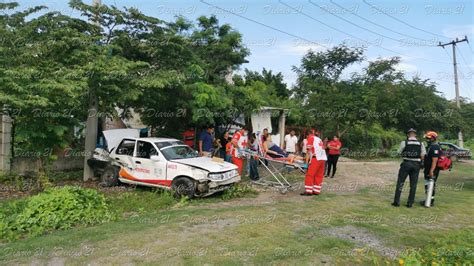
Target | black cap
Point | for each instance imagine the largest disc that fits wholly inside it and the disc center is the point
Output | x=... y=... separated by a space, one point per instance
x=411 y=130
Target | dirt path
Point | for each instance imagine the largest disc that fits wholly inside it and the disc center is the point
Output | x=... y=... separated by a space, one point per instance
x=351 y=176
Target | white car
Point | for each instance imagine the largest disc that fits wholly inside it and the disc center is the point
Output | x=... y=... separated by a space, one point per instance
x=170 y=164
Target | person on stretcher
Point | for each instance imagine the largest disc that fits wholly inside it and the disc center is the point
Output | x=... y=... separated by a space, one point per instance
x=274 y=151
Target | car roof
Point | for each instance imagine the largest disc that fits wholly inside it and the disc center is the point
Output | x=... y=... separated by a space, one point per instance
x=448 y=143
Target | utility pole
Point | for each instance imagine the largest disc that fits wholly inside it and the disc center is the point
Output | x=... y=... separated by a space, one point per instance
x=456 y=83
x=92 y=121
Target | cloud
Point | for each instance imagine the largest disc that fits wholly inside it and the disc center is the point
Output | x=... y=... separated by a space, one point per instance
x=407 y=68
x=458 y=31
x=299 y=48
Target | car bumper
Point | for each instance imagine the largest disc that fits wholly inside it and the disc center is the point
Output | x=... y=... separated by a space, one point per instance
x=211 y=186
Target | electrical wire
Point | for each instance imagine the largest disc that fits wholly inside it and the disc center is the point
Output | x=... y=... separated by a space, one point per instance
x=262 y=24
x=352 y=23
x=325 y=24
x=401 y=21
x=472 y=51
x=378 y=25
x=381 y=47
x=464 y=59
x=462 y=75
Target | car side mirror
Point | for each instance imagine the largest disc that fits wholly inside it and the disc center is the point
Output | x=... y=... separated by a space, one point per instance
x=155 y=158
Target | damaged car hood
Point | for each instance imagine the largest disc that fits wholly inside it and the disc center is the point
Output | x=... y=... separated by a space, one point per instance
x=207 y=164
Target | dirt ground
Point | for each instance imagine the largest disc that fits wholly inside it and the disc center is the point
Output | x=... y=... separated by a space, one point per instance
x=351 y=176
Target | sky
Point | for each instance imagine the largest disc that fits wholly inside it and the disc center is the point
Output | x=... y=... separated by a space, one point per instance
x=279 y=32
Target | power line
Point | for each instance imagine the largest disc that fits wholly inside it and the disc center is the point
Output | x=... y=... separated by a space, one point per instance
x=352 y=23
x=338 y=30
x=453 y=43
x=325 y=24
x=378 y=25
x=462 y=76
x=472 y=51
x=463 y=59
x=401 y=21
x=262 y=24
x=425 y=59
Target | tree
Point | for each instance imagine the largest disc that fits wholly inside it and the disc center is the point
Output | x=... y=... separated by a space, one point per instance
x=320 y=70
x=54 y=64
x=274 y=81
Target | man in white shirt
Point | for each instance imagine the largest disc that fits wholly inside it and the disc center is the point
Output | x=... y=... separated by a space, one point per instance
x=290 y=142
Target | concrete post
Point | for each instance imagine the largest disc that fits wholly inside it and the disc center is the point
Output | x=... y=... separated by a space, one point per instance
x=5 y=142
x=281 y=127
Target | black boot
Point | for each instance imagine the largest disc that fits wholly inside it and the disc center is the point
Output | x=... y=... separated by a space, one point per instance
x=394 y=204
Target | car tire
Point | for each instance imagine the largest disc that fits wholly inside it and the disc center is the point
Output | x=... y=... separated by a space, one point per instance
x=109 y=177
x=183 y=186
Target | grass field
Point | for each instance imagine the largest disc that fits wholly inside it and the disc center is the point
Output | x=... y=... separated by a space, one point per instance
x=352 y=222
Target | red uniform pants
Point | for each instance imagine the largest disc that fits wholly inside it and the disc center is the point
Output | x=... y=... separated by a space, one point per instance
x=239 y=162
x=314 y=177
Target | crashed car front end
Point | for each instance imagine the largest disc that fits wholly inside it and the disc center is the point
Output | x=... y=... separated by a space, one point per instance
x=216 y=182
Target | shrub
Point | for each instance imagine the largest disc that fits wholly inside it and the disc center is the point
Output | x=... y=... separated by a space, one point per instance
x=53 y=209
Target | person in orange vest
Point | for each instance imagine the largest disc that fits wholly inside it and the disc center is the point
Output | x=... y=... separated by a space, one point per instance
x=239 y=142
x=316 y=157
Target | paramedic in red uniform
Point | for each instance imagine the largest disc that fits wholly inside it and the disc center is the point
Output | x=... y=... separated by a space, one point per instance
x=239 y=142
x=316 y=156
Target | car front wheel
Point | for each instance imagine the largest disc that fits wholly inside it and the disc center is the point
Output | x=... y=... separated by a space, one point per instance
x=109 y=177
x=183 y=186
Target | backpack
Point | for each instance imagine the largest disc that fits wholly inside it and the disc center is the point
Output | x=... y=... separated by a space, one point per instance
x=444 y=163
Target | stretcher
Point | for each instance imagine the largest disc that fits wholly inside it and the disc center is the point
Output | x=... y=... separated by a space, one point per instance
x=275 y=167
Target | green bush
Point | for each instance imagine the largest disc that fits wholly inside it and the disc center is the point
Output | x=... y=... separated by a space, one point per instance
x=53 y=209
x=363 y=142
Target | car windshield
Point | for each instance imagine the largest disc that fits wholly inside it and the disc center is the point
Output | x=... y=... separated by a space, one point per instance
x=178 y=152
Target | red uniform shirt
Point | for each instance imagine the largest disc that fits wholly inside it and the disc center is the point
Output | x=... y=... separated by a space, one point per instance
x=335 y=143
x=228 y=148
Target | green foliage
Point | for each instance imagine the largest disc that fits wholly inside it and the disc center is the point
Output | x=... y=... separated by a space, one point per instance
x=372 y=109
x=274 y=82
x=373 y=141
x=175 y=75
x=54 y=209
